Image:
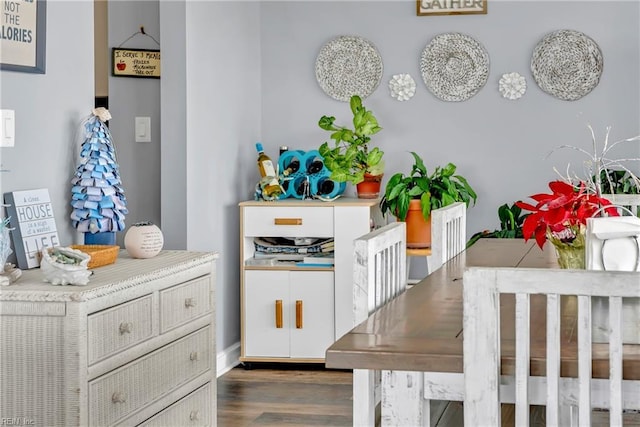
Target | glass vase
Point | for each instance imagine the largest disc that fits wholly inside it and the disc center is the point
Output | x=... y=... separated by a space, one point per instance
x=570 y=256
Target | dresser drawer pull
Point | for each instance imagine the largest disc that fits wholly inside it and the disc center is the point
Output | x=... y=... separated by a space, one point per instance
x=190 y=302
x=287 y=221
x=125 y=328
x=194 y=416
x=194 y=356
x=278 y=313
x=298 y=314
x=118 y=397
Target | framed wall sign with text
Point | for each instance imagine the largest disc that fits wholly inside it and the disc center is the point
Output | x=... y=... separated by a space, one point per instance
x=136 y=63
x=451 y=7
x=23 y=35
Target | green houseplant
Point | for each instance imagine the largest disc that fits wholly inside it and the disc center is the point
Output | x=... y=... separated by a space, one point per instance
x=511 y=220
x=350 y=158
x=422 y=192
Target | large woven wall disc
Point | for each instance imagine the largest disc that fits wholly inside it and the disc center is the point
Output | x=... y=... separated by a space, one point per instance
x=454 y=66
x=566 y=64
x=348 y=65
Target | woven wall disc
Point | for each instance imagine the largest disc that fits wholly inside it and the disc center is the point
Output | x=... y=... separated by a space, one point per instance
x=566 y=64
x=454 y=66
x=348 y=65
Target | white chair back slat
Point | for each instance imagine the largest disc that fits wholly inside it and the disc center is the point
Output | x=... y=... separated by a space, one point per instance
x=448 y=233
x=379 y=276
x=481 y=324
x=553 y=359
x=522 y=361
x=584 y=359
x=615 y=359
x=629 y=201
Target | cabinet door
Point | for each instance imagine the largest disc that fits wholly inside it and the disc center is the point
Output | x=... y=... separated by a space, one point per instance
x=262 y=291
x=312 y=315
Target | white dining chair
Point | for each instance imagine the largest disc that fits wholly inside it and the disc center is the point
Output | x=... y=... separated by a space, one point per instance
x=448 y=237
x=379 y=276
x=483 y=385
x=629 y=201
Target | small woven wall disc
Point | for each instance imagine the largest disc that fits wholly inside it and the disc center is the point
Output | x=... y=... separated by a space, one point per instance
x=566 y=64
x=454 y=66
x=348 y=65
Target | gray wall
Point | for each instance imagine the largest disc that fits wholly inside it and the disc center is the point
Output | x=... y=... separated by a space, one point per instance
x=499 y=145
x=49 y=109
x=211 y=112
x=130 y=97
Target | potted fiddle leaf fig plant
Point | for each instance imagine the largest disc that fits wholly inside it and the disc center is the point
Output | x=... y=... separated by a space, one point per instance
x=411 y=198
x=350 y=158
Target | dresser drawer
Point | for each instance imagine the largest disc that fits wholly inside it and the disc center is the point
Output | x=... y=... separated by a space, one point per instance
x=182 y=303
x=289 y=221
x=121 y=392
x=117 y=328
x=192 y=410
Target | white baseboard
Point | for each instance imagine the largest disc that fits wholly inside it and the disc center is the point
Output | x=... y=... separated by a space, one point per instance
x=228 y=359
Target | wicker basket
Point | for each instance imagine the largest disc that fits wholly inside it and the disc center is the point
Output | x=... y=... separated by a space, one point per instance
x=100 y=254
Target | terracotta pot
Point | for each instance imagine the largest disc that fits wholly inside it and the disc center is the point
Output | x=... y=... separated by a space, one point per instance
x=370 y=187
x=418 y=229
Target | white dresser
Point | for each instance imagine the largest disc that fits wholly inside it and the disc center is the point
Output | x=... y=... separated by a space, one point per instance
x=134 y=346
x=291 y=313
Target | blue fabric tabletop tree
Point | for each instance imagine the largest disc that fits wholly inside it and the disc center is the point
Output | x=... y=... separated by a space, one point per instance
x=98 y=200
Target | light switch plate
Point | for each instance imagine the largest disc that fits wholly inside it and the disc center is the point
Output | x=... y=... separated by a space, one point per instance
x=7 y=128
x=143 y=129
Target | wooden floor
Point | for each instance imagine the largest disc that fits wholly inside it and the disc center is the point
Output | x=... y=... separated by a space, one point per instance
x=308 y=395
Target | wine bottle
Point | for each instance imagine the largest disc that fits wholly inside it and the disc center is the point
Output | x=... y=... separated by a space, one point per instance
x=270 y=186
x=292 y=167
x=325 y=186
x=315 y=165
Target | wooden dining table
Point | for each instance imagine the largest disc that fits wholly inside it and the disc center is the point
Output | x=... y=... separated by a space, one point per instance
x=421 y=329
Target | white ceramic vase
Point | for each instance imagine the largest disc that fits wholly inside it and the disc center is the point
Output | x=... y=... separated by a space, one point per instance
x=143 y=240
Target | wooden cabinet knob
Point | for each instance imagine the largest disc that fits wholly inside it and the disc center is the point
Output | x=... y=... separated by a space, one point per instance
x=278 y=313
x=287 y=221
x=299 y=314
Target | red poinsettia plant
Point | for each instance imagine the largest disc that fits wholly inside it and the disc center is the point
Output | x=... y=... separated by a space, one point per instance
x=562 y=215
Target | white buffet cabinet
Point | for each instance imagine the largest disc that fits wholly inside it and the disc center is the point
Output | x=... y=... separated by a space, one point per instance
x=290 y=313
x=136 y=346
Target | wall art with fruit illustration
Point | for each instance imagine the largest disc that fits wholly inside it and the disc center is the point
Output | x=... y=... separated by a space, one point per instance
x=136 y=63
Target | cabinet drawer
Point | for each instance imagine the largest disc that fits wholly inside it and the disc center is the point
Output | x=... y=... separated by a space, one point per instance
x=119 y=327
x=288 y=221
x=180 y=304
x=192 y=410
x=121 y=392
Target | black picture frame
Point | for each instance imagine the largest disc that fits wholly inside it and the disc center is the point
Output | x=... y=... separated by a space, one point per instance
x=39 y=44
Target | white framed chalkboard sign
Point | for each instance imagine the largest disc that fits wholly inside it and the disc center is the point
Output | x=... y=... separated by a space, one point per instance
x=33 y=225
x=23 y=35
